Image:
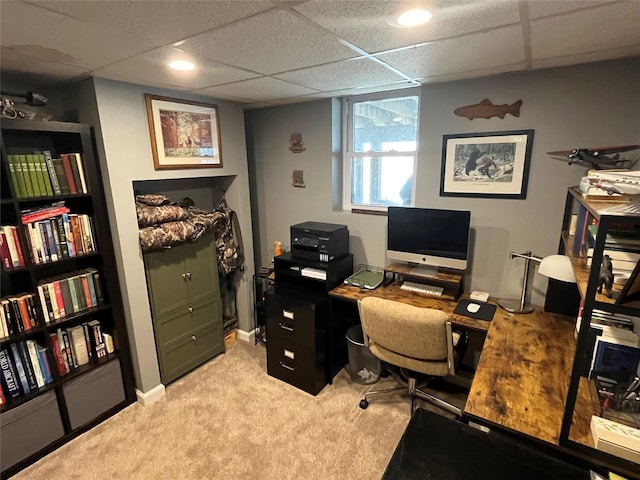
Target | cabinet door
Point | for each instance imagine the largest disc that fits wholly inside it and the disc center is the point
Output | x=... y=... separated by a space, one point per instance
x=202 y=269
x=167 y=280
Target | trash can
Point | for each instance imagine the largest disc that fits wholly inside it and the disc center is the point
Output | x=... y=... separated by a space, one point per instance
x=364 y=367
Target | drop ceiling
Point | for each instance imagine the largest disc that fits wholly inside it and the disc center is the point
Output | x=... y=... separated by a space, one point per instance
x=264 y=53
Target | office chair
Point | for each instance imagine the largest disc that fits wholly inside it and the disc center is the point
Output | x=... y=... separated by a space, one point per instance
x=414 y=339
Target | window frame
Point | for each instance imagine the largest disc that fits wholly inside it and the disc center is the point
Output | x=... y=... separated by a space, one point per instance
x=348 y=137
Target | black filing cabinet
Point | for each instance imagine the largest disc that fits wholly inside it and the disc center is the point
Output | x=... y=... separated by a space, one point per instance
x=298 y=321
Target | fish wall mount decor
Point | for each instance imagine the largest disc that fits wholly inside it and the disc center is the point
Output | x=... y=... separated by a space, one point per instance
x=486 y=109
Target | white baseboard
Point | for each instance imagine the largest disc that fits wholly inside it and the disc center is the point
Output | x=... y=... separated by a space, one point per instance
x=153 y=395
x=248 y=337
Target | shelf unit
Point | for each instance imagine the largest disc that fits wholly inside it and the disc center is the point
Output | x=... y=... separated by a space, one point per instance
x=582 y=401
x=34 y=424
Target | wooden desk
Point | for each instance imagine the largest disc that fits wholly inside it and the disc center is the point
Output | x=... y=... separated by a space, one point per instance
x=393 y=292
x=522 y=378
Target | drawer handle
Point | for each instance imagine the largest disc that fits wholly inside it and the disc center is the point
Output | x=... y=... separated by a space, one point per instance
x=287 y=314
x=193 y=337
x=286 y=327
x=184 y=276
x=190 y=310
x=189 y=275
x=287 y=366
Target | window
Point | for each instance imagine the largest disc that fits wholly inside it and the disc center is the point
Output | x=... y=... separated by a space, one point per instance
x=380 y=149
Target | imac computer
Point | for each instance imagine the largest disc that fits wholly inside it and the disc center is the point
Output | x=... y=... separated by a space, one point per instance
x=428 y=237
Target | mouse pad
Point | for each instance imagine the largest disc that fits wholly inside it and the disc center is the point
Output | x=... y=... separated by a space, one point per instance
x=485 y=312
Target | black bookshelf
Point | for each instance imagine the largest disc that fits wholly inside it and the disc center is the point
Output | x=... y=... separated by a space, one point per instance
x=115 y=369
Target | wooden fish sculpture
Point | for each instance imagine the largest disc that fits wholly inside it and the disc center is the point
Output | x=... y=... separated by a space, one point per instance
x=486 y=109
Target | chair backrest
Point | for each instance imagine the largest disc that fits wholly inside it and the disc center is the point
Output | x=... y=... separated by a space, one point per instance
x=420 y=333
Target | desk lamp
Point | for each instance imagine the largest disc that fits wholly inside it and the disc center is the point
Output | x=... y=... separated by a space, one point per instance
x=557 y=267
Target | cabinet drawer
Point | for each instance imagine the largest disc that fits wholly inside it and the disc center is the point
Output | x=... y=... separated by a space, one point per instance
x=294 y=320
x=28 y=428
x=186 y=320
x=295 y=364
x=93 y=393
x=185 y=353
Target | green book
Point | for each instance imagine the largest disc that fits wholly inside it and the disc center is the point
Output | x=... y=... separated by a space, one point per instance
x=53 y=178
x=62 y=178
x=33 y=176
x=15 y=169
x=46 y=181
x=27 y=176
x=74 y=294
x=39 y=173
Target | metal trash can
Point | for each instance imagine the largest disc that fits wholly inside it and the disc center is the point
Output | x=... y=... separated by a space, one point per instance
x=364 y=367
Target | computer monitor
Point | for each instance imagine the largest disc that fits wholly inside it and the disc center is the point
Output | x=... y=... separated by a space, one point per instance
x=428 y=237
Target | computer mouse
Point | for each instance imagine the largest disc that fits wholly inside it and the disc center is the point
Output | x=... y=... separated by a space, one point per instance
x=473 y=307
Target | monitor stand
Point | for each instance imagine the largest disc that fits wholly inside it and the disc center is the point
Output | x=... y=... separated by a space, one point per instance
x=424 y=271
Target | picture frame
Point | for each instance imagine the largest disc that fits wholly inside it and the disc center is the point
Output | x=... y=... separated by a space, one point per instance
x=184 y=134
x=486 y=165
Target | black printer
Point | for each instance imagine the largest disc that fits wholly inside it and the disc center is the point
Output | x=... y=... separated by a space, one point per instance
x=319 y=241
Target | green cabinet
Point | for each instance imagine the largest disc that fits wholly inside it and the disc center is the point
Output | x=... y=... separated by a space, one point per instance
x=186 y=307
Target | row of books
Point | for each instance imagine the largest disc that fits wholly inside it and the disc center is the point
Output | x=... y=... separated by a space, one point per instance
x=18 y=314
x=25 y=367
x=40 y=175
x=623 y=249
x=76 y=346
x=62 y=236
x=10 y=248
x=58 y=297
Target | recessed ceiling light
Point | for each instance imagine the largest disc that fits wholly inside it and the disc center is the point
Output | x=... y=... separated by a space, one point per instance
x=182 y=65
x=409 y=18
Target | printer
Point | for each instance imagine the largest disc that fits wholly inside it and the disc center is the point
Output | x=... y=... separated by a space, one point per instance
x=319 y=241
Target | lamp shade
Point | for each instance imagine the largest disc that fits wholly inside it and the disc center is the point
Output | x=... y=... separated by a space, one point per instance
x=557 y=267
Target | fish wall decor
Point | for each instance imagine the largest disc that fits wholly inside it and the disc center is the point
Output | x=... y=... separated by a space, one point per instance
x=486 y=109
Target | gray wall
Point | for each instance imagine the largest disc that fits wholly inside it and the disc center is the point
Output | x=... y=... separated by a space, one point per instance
x=118 y=112
x=582 y=106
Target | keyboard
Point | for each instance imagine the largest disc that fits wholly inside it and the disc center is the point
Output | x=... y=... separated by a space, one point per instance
x=422 y=288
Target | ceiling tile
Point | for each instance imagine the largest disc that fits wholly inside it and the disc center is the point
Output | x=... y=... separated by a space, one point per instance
x=357 y=72
x=153 y=65
x=372 y=89
x=14 y=65
x=610 y=26
x=260 y=89
x=58 y=38
x=161 y=21
x=481 y=72
x=494 y=48
x=365 y=23
x=544 y=8
x=587 y=57
x=275 y=41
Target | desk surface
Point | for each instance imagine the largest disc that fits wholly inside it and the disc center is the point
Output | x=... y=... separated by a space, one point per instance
x=393 y=292
x=522 y=378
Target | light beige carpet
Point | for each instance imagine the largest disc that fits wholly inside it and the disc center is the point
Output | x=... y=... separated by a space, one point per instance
x=229 y=420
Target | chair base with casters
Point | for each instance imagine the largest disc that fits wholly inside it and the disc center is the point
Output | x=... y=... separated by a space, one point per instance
x=418 y=340
x=414 y=393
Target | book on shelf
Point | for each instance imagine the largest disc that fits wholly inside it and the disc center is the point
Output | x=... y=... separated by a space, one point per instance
x=28 y=365
x=10 y=248
x=68 y=173
x=616 y=438
x=68 y=352
x=43 y=359
x=53 y=176
x=17 y=178
x=33 y=187
x=78 y=342
x=10 y=381
x=16 y=360
x=78 y=172
x=61 y=365
x=61 y=176
x=35 y=362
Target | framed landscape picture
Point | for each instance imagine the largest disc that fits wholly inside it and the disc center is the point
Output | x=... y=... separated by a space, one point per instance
x=184 y=134
x=486 y=165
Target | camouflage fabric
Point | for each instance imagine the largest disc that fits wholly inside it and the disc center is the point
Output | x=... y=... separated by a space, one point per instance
x=168 y=235
x=152 y=199
x=148 y=216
